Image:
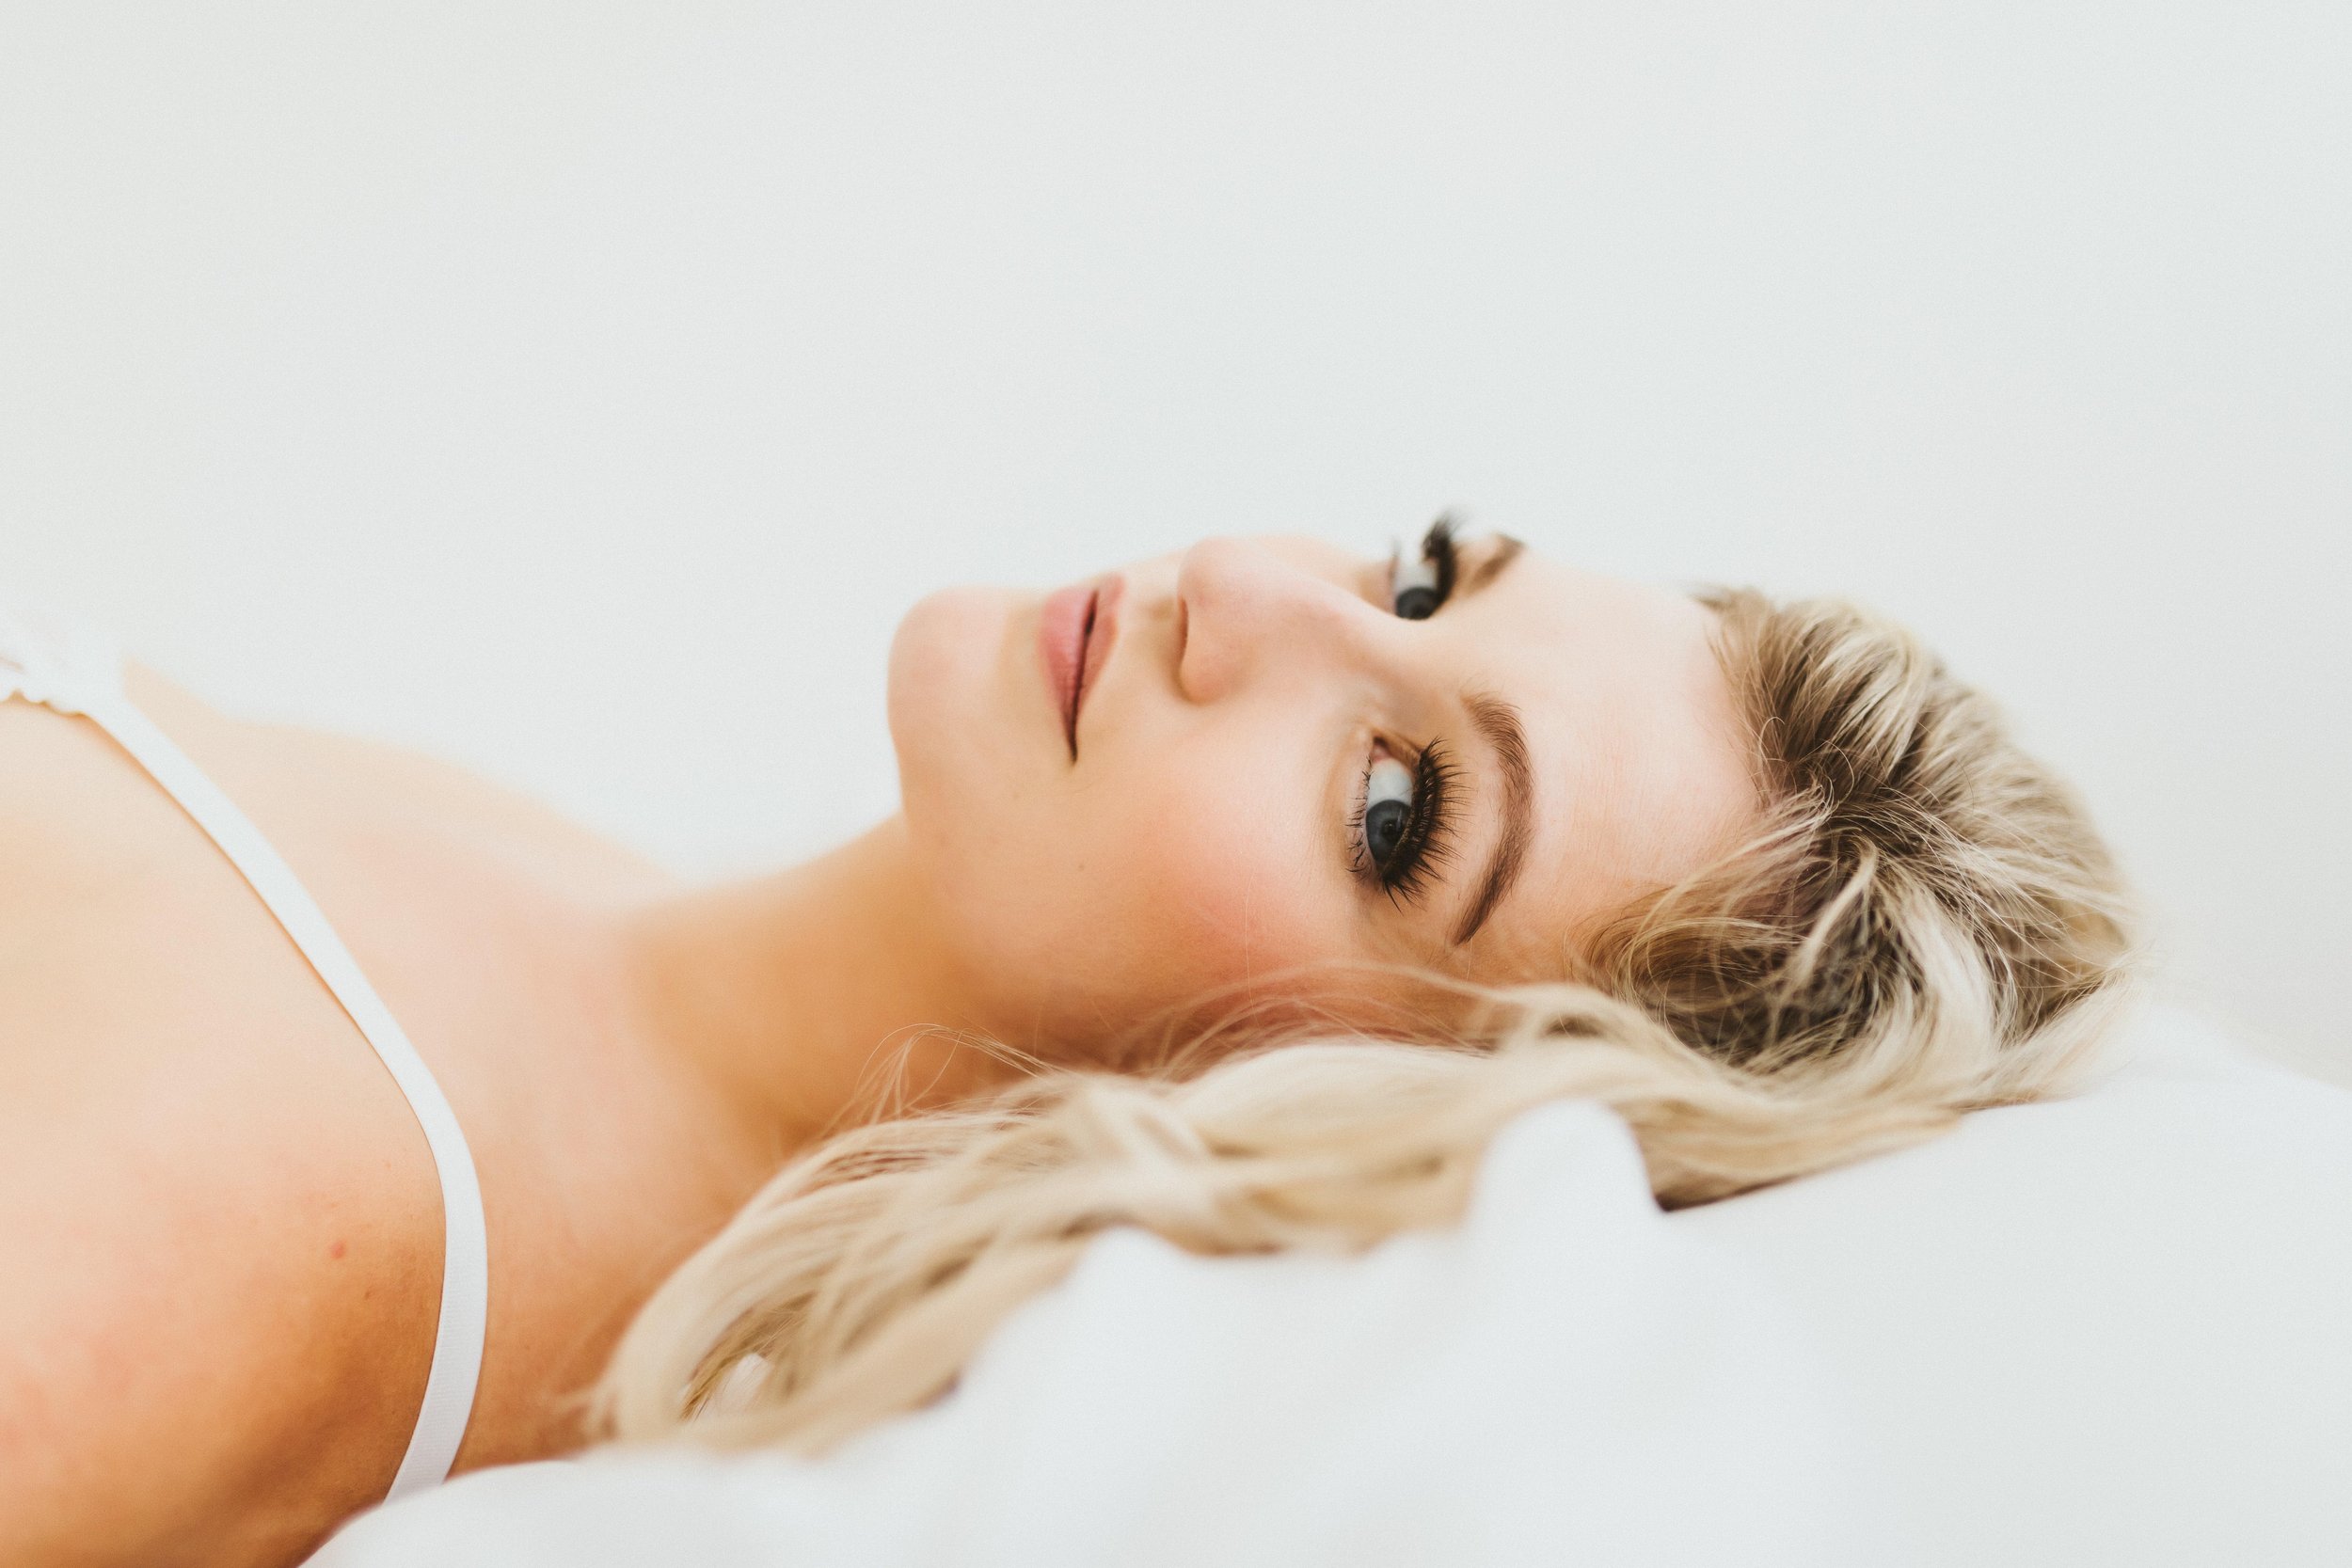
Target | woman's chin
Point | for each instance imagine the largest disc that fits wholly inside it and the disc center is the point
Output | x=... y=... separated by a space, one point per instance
x=953 y=691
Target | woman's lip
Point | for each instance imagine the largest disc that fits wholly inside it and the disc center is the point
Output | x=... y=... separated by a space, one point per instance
x=1102 y=630
x=1062 y=637
x=1075 y=631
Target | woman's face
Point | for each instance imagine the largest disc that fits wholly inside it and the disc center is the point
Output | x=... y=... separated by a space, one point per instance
x=1202 y=778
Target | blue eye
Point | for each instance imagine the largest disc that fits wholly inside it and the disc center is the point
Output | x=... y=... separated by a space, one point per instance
x=1387 y=810
x=1417 y=602
x=1418 y=586
x=1406 y=822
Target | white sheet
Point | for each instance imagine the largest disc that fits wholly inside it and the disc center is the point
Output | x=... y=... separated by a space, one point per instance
x=2112 y=1330
x=1563 y=1378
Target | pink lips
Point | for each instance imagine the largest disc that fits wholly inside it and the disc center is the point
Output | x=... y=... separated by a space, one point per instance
x=1075 y=630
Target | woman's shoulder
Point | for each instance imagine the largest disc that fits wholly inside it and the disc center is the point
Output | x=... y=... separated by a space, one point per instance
x=221 y=1222
x=220 y=1215
x=305 y=777
x=224 y=1253
x=133 y=950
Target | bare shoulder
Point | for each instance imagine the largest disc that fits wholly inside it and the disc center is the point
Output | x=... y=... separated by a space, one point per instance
x=224 y=1255
x=221 y=1226
x=223 y=1298
x=279 y=771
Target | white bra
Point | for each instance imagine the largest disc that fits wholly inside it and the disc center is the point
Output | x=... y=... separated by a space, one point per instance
x=74 y=671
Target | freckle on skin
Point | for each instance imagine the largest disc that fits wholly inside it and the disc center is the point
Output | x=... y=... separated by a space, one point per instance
x=335 y=1251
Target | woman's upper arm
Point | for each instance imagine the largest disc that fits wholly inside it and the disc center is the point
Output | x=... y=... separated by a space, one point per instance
x=213 y=1314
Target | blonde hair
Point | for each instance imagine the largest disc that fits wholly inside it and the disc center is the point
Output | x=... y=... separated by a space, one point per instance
x=1922 y=922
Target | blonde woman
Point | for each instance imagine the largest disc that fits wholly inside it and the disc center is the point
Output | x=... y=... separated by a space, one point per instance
x=1241 y=895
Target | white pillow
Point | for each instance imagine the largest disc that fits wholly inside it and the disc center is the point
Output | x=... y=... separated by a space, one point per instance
x=2112 y=1330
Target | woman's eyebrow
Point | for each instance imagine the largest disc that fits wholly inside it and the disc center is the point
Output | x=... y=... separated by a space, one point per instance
x=1507 y=549
x=1499 y=721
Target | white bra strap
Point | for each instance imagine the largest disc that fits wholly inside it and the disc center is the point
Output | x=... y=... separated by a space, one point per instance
x=449 y=1388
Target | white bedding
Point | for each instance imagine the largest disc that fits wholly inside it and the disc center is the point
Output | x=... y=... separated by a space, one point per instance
x=2113 y=1330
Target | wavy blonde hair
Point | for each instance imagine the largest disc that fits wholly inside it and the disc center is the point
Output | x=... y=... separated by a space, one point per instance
x=1922 y=922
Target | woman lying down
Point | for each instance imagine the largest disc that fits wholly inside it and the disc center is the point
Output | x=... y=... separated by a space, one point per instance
x=1240 y=895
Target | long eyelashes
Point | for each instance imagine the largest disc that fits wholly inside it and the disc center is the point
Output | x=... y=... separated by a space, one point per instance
x=1400 y=857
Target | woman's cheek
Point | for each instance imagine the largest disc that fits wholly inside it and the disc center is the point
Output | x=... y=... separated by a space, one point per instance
x=1229 y=904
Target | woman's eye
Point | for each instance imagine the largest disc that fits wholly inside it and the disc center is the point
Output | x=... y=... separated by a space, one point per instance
x=1404 y=827
x=1415 y=590
x=1387 y=810
x=1418 y=586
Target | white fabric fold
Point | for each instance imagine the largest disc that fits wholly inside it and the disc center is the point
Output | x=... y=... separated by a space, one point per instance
x=1564 y=1377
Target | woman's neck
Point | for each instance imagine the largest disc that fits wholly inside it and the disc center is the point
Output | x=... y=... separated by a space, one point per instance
x=811 y=1000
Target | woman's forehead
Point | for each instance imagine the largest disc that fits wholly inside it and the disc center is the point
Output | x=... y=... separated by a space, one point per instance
x=1640 y=750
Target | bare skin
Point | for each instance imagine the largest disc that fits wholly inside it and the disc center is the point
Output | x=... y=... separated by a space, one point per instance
x=223 y=1226
x=232 y=1217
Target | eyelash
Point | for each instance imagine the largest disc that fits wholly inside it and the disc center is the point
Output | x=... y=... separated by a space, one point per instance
x=1427 y=841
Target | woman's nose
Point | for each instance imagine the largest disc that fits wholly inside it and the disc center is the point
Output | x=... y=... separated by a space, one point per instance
x=1249 y=611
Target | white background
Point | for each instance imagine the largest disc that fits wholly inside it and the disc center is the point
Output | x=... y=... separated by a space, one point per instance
x=581 y=392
